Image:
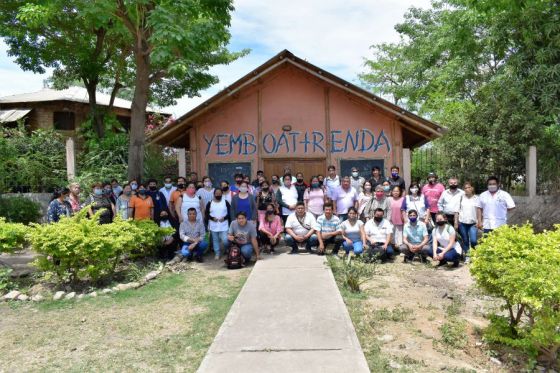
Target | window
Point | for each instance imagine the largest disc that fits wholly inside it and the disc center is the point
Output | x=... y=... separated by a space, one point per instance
x=64 y=121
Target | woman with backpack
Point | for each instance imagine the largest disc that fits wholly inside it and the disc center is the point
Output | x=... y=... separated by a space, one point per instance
x=217 y=221
x=445 y=247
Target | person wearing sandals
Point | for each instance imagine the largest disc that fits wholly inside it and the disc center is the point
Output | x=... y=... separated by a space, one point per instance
x=352 y=231
x=270 y=229
x=445 y=247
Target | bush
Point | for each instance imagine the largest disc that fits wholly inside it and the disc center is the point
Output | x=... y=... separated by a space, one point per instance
x=78 y=248
x=20 y=210
x=352 y=273
x=522 y=268
x=12 y=236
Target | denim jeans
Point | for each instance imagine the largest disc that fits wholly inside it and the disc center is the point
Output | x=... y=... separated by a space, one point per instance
x=468 y=235
x=198 y=250
x=449 y=256
x=358 y=247
x=377 y=250
x=246 y=251
x=218 y=237
x=311 y=241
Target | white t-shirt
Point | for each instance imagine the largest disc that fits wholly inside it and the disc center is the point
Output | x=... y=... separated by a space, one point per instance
x=293 y=223
x=352 y=231
x=289 y=197
x=218 y=210
x=443 y=235
x=467 y=209
x=494 y=208
x=331 y=185
x=344 y=199
x=378 y=233
x=449 y=202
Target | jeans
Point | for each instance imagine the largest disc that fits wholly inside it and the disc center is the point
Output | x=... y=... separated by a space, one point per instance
x=378 y=251
x=449 y=256
x=358 y=247
x=468 y=235
x=246 y=251
x=218 y=237
x=198 y=249
x=336 y=240
x=311 y=241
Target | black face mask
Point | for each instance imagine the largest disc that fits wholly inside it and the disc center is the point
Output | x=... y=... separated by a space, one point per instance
x=164 y=218
x=225 y=189
x=453 y=187
x=440 y=223
x=218 y=198
x=142 y=192
x=181 y=186
x=153 y=188
x=378 y=219
x=265 y=189
x=300 y=180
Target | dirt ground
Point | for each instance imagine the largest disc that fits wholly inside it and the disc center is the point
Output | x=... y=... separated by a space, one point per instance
x=418 y=318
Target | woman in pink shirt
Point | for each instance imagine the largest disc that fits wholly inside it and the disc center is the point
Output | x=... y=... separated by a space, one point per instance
x=270 y=229
x=396 y=214
x=432 y=191
x=314 y=197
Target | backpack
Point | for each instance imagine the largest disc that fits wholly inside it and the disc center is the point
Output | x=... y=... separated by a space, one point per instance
x=234 y=258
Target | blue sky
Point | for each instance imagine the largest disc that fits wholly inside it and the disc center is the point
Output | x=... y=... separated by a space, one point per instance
x=333 y=34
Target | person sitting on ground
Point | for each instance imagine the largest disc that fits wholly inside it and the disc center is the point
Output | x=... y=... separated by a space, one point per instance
x=378 y=232
x=218 y=219
x=300 y=229
x=99 y=201
x=344 y=197
x=327 y=230
x=192 y=232
x=74 y=197
x=123 y=201
x=169 y=245
x=352 y=231
x=59 y=206
x=415 y=238
x=243 y=233
x=444 y=248
x=270 y=229
x=243 y=201
x=379 y=201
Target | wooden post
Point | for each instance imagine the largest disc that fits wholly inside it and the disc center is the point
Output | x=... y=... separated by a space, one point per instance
x=531 y=171
x=181 y=157
x=70 y=158
x=406 y=166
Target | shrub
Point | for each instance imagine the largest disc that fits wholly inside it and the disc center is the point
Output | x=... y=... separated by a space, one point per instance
x=522 y=268
x=78 y=248
x=352 y=273
x=20 y=210
x=12 y=236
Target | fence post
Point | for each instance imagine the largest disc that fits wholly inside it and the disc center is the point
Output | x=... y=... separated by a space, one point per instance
x=531 y=171
x=70 y=158
x=406 y=166
x=182 y=158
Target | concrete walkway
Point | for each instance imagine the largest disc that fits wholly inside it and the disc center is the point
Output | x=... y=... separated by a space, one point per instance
x=289 y=317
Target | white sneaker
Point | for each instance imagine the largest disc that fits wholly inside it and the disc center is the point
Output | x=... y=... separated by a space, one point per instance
x=217 y=257
x=467 y=260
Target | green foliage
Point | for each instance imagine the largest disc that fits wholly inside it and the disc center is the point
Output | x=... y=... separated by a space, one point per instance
x=453 y=334
x=6 y=283
x=521 y=267
x=352 y=273
x=12 y=236
x=78 y=248
x=20 y=210
x=32 y=161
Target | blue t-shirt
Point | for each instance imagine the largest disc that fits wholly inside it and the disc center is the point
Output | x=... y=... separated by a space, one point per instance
x=415 y=233
x=245 y=206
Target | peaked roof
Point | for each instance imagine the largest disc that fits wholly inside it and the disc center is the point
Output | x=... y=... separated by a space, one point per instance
x=74 y=94
x=424 y=129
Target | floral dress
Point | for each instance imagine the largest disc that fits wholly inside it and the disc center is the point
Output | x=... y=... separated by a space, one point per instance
x=57 y=209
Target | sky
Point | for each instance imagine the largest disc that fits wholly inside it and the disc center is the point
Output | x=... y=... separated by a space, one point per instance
x=335 y=35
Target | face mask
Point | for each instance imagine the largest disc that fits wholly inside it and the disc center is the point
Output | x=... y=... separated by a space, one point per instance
x=208 y=184
x=440 y=223
x=181 y=186
x=168 y=185
x=413 y=219
x=107 y=191
x=321 y=182
x=386 y=188
x=238 y=181
x=300 y=180
x=225 y=189
x=243 y=189
x=492 y=188
x=134 y=186
x=315 y=185
x=153 y=188
x=127 y=193
x=142 y=192
x=453 y=186
x=98 y=191
x=394 y=174
x=117 y=190
x=379 y=195
x=265 y=189
x=218 y=198
x=164 y=218
x=432 y=181
x=378 y=219
x=191 y=191
x=413 y=190
x=355 y=174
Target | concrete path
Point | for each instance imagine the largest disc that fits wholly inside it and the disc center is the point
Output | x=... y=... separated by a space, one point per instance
x=289 y=317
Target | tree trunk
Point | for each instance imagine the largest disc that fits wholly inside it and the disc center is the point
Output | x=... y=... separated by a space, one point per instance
x=138 y=120
x=96 y=113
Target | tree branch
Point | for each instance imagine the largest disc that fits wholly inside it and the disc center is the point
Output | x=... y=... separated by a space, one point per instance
x=157 y=76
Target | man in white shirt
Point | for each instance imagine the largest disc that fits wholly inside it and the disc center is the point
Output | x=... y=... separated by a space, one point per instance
x=356 y=180
x=287 y=197
x=378 y=236
x=167 y=189
x=344 y=197
x=449 y=200
x=300 y=229
x=493 y=206
x=332 y=181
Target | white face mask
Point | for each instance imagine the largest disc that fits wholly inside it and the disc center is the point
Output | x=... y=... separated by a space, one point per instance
x=243 y=189
x=168 y=185
x=492 y=188
x=413 y=190
x=355 y=174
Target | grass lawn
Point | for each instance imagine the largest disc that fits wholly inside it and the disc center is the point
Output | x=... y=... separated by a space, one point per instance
x=167 y=325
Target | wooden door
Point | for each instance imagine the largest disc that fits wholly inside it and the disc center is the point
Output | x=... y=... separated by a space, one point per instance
x=309 y=167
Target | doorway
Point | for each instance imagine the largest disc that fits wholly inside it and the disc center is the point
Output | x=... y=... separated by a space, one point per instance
x=309 y=167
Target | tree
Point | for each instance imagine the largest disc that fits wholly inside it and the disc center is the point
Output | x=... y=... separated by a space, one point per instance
x=488 y=70
x=173 y=44
x=71 y=37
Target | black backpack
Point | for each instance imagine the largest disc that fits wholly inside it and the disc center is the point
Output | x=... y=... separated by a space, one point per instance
x=234 y=258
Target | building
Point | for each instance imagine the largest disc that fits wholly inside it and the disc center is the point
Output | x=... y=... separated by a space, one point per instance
x=290 y=113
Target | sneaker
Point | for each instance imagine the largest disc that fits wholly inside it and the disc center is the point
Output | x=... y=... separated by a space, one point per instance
x=456 y=264
x=441 y=263
x=467 y=259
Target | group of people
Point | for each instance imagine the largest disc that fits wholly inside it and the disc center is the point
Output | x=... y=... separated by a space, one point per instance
x=376 y=216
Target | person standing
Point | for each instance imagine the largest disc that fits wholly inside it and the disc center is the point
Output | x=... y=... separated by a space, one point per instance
x=378 y=233
x=353 y=234
x=258 y=180
x=167 y=189
x=141 y=206
x=396 y=215
x=74 y=197
x=300 y=229
x=432 y=191
x=344 y=197
x=376 y=177
x=415 y=238
x=123 y=201
x=244 y=234
x=227 y=194
x=314 y=198
x=356 y=181
x=218 y=218
x=466 y=219
x=238 y=179
x=244 y=202
x=332 y=181
x=117 y=189
x=327 y=229
x=396 y=180
x=206 y=193
x=493 y=206
x=160 y=203
x=175 y=195
x=59 y=206
x=417 y=202
x=187 y=200
x=99 y=201
x=449 y=200
x=379 y=201
x=300 y=185
x=287 y=197
x=192 y=233
x=363 y=198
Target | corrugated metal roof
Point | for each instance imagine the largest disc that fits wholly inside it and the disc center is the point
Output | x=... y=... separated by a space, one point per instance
x=13 y=115
x=75 y=94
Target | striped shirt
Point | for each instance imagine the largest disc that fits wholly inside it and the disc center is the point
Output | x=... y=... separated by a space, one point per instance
x=205 y=195
x=189 y=231
x=325 y=225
